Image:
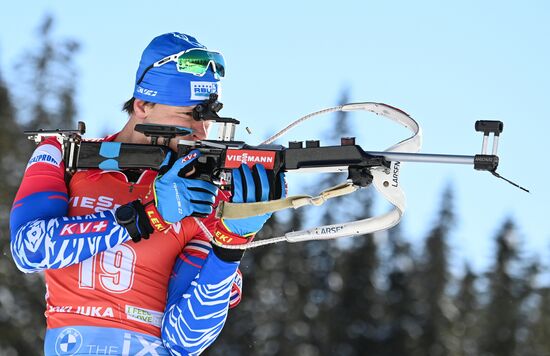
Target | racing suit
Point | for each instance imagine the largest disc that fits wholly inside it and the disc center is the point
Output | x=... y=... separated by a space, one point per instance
x=105 y=294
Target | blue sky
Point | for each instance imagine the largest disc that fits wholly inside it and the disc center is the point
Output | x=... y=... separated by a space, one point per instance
x=446 y=63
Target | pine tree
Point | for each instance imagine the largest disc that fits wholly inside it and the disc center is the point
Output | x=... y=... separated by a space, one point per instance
x=466 y=325
x=356 y=316
x=301 y=310
x=355 y=310
x=323 y=301
x=434 y=281
x=48 y=72
x=9 y=131
x=539 y=331
x=280 y=313
x=22 y=296
x=508 y=290
x=532 y=328
x=343 y=304
x=20 y=306
x=400 y=297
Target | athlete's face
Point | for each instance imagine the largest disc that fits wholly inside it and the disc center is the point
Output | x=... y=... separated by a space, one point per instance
x=178 y=116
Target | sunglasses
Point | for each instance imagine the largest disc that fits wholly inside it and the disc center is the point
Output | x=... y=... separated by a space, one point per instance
x=193 y=61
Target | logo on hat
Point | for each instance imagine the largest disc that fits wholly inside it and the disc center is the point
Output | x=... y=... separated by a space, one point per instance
x=184 y=37
x=146 y=91
x=181 y=36
x=202 y=90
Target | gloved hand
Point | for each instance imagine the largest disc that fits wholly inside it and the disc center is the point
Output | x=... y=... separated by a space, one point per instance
x=174 y=195
x=249 y=186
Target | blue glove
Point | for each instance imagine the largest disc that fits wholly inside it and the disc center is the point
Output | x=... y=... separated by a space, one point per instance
x=177 y=196
x=249 y=186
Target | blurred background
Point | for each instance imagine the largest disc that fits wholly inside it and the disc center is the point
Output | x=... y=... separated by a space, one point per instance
x=464 y=273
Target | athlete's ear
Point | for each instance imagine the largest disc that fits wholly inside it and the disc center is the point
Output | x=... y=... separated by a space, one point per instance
x=142 y=108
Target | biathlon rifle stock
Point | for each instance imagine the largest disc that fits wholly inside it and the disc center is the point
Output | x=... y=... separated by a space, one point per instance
x=219 y=157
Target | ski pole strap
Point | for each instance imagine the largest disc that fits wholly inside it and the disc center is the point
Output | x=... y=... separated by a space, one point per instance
x=229 y=210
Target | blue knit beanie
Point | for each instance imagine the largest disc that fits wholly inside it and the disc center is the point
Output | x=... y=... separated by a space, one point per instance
x=164 y=84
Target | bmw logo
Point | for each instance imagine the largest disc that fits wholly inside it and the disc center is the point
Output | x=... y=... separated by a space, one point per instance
x=68 y=342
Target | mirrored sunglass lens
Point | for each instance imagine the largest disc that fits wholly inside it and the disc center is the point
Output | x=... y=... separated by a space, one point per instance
x=219 y=62
x=197 y=62
x=191 y=66
x=220 y=68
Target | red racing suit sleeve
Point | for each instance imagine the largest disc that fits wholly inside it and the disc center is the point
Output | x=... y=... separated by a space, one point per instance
x=42 y=235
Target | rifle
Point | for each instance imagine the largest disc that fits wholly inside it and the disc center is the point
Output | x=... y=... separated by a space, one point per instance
x=220 y=156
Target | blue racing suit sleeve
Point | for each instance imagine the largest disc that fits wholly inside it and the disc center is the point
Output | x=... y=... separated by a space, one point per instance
x=60 y=242
x=42 y=236
x=199 y=296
